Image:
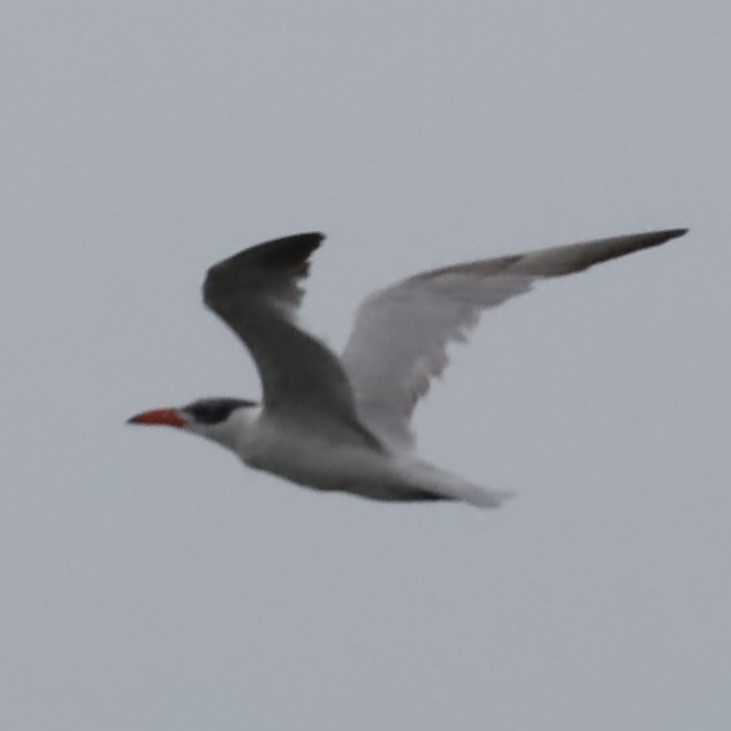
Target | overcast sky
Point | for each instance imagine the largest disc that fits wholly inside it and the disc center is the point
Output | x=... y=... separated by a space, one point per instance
x=149 y=581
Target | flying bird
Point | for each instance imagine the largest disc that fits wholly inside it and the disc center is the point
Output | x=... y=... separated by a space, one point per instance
x=344 y=423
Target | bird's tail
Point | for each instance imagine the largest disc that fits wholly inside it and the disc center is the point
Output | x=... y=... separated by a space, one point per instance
x=447 y=486
x=482 y=497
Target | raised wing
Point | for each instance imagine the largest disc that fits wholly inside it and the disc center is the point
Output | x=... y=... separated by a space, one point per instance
x=401 y=333
x=257 y=292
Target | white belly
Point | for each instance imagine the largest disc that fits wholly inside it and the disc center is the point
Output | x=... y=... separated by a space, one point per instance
x=319 y=462
x=324 y=466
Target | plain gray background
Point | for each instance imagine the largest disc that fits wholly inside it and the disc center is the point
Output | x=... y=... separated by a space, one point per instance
x=149 y=581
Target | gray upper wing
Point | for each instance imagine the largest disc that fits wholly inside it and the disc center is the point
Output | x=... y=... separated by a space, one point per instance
x=257 y=293
x=401 y=333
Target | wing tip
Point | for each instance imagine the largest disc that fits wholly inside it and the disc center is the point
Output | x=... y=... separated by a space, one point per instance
x=288 y=255
x=572 y=258
x=650 y=239
x=276 y=253
x=284 y=249
x=288 y=252
x=655 y=238
x=671 y=233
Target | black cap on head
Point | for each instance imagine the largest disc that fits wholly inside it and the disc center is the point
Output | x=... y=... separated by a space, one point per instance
x=215 y=410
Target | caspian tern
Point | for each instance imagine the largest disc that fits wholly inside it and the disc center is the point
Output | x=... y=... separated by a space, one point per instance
x=343 y=424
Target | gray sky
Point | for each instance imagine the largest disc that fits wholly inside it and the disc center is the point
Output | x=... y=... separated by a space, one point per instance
x=149 y=581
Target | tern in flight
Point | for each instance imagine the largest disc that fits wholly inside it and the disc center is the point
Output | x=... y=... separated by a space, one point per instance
x=343 y=423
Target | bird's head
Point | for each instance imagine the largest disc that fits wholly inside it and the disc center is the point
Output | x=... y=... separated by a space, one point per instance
x=224 y=420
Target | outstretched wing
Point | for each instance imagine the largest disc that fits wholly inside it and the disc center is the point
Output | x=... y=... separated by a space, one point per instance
x=401 y=333
x=257 y=293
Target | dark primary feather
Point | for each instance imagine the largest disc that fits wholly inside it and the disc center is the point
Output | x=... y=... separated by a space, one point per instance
x=560 y=260
x=273 y=267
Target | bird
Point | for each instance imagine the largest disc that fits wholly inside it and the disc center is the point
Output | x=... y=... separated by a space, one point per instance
x=343 y=423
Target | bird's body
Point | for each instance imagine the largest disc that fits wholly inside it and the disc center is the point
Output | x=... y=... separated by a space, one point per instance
x=343 y=424
x=337 y=459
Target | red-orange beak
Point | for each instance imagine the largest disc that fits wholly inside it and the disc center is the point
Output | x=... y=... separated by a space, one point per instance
x=165 y=417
